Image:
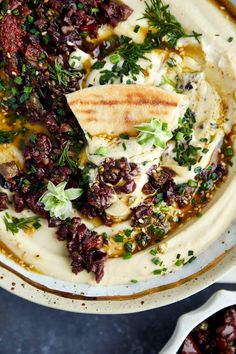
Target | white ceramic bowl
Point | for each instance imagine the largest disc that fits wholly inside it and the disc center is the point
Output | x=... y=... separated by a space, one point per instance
x=190 y=320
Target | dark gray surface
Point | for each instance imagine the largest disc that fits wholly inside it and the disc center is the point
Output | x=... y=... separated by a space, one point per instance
x=27 y=328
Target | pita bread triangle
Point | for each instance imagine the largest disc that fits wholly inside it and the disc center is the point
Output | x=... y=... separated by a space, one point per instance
x=116 y=109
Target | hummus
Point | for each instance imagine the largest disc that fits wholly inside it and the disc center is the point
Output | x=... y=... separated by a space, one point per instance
x=208 y=65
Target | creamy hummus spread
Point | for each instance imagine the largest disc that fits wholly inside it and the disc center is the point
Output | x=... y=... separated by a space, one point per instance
x=202 y=69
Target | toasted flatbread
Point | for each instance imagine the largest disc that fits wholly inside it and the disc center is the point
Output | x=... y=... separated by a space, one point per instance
x=116 y=109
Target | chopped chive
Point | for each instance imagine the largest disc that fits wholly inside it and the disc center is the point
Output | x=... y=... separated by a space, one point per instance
x=28 y=89
x=80 y=5
x=94 y=10
x=153 y=252
x=102 y=151
x=229 y=152
x=136 y=28
x=159 y=197
x=33 y=138
x=30 y=19
x=134 y=281
x=16 y=12
x=104 y=236
x=179 y=262
x=230 y=39
x=129 y=247
x=83 y=34
x=230 y=163
x=128 y=232
x=164 y=208
x=119 y=238
x=18 y=80
x=197 y=169
x=179 y=136
x=171 y=62
x=155 y=261
x=36 y=225
x=127 y=255
x=190 y=253
x=157 y=271
x=24 y=98
x=124 y=136
x=192 y=183
x=204 y=140
x=115 y=58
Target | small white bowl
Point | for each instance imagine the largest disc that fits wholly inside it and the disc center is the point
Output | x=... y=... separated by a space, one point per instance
x=190 y=320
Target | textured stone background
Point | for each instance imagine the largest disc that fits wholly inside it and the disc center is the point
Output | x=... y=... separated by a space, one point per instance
x=27 y=328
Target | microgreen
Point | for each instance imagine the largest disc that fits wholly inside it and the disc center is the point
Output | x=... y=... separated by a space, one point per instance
x=154 y=133
x=57 y=200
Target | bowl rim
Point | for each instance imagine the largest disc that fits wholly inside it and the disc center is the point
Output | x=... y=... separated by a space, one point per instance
x=18 y=286
x=218 y=301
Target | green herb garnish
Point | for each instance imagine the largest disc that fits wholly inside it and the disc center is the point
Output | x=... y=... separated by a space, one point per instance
x=159 y=271
x=169 y=30
x=128 y=232
x=14 y=224
x=115 y=58
x=192 y=183
x=153 y=252
x=129 y=247
x=102 y=151
x=156 y=261
x=60 y=75
x=127 y=255
x=179 y=262
x=7 y=137
x=154 y=133
x=229 y=152
x=65 y=158
x=185 y=153
x=57 y=200
x=119 y=238
x=124 y=136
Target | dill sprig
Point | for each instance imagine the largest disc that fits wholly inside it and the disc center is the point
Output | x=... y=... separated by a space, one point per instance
x=185 y=153
x=168 y=28
x=65 y=158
